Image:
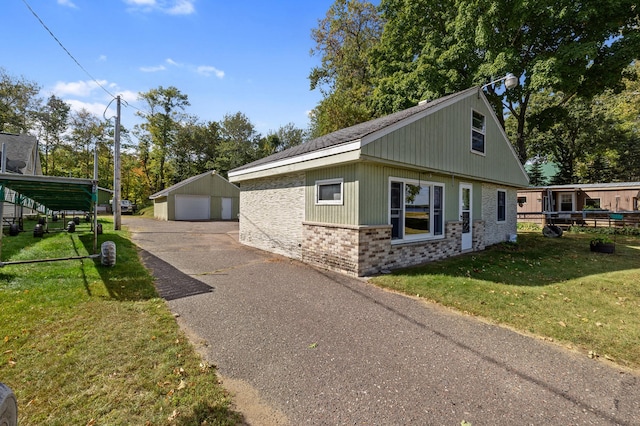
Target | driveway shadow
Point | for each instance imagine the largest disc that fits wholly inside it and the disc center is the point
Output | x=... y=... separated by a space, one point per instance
x=170 y=283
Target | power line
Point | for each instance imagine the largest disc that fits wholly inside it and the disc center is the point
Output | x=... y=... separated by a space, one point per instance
x=65 y=49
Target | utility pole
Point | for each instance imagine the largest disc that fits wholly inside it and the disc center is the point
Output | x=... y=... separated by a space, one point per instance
x=116 y=170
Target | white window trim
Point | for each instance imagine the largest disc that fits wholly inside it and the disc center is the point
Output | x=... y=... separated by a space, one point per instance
x=421 y=237
x=319 y=183
x=498 y=206
x=559 y=201
x=483 y=131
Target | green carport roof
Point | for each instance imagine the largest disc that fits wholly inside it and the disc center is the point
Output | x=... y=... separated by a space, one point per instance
x=52 y=192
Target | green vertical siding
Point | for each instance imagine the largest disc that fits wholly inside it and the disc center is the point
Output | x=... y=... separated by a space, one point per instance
x=347 y=213
x=366 y=194
x=374 y=191
x=211 y=185
x=160 y=208
x=441 y=141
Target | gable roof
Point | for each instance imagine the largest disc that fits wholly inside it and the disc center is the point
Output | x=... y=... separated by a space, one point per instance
x=21 y=148
x=353 y=133
x=372 y=141
x=165 y=192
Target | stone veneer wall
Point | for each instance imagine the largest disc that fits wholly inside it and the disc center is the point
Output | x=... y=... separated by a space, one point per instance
x=367 y=250
x=271 y=213
x=497 y=232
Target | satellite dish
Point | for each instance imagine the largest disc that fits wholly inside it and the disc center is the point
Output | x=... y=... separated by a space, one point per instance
x=14 y=165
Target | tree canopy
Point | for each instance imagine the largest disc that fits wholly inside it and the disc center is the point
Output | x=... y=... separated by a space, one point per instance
x=571 y=59
x=343 y=41
x=169 y=144
x=429 y=49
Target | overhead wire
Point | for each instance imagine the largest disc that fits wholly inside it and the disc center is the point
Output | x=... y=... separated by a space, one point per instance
x=66 y=50
x=125 y=103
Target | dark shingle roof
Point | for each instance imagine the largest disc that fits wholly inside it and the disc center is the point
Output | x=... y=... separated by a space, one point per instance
x=352 y=133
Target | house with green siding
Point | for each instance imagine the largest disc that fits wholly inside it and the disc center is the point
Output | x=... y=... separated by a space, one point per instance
x=435 y=180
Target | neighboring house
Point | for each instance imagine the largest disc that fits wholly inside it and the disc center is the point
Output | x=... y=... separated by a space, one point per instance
x=22 y=157
x=22 y=154
x=429 y=182
x=207 y=196
x=585 y=199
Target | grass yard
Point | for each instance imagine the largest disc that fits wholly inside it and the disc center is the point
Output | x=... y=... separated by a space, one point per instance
x=555 y=288
x=83 y=344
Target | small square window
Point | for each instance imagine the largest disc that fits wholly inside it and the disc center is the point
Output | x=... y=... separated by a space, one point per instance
x=329 y=191
x=478 y=133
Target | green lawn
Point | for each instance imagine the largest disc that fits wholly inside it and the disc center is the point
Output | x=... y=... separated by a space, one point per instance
x=555 y=288
x=83 y=344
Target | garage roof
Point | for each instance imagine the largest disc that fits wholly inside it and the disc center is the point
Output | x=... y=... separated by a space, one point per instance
x=54 y=193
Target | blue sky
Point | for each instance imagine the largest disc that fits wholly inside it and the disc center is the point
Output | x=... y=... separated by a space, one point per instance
x=227 y=56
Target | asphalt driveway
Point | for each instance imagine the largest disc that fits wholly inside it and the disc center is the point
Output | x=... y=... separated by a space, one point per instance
x=319 y=348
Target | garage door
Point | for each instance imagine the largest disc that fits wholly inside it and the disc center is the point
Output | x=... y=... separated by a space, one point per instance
x=192 y=207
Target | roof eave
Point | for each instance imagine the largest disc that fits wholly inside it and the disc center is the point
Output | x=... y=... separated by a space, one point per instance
x=335 y=154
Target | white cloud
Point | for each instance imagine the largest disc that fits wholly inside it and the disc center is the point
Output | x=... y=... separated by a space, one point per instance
x=170 y=7
x=102 y=58
x=128 y=96
x=141 y=2
x=67 y=3
x=95 y=108
x=182 y=7
x=77 y=88
x=153 y=69
x=207 y=70
x=172 y=62
x=204 y=70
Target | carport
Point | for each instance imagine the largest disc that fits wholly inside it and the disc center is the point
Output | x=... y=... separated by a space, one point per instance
x=51 y=193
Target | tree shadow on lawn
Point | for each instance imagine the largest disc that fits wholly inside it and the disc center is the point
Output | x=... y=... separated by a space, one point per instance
x=536 y=260
x=139 y=275
x=13 y=244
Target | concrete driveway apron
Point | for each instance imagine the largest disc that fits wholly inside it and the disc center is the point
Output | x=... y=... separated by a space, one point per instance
x=324 y=349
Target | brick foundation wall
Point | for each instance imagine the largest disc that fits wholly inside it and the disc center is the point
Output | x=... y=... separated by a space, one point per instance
x=271 y=211
x=367 y=250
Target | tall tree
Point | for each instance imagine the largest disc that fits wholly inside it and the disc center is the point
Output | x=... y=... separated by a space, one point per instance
x=625 y=109
x=429 y=49
x=165 y=113
x=53 y=118
x=87 y=132
x=343 y=40
x=573 y=135
x=195 y=150
x=239 y=144
x=536 y=176
x=19 y=103
x=285 y=137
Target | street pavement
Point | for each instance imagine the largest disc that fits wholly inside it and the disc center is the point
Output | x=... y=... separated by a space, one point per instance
x=313 y=347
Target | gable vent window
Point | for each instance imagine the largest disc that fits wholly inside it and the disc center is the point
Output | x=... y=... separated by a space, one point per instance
x=478 y=133
x=329 y=191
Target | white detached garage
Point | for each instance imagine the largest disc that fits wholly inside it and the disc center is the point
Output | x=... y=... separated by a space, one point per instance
x=207 y=196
